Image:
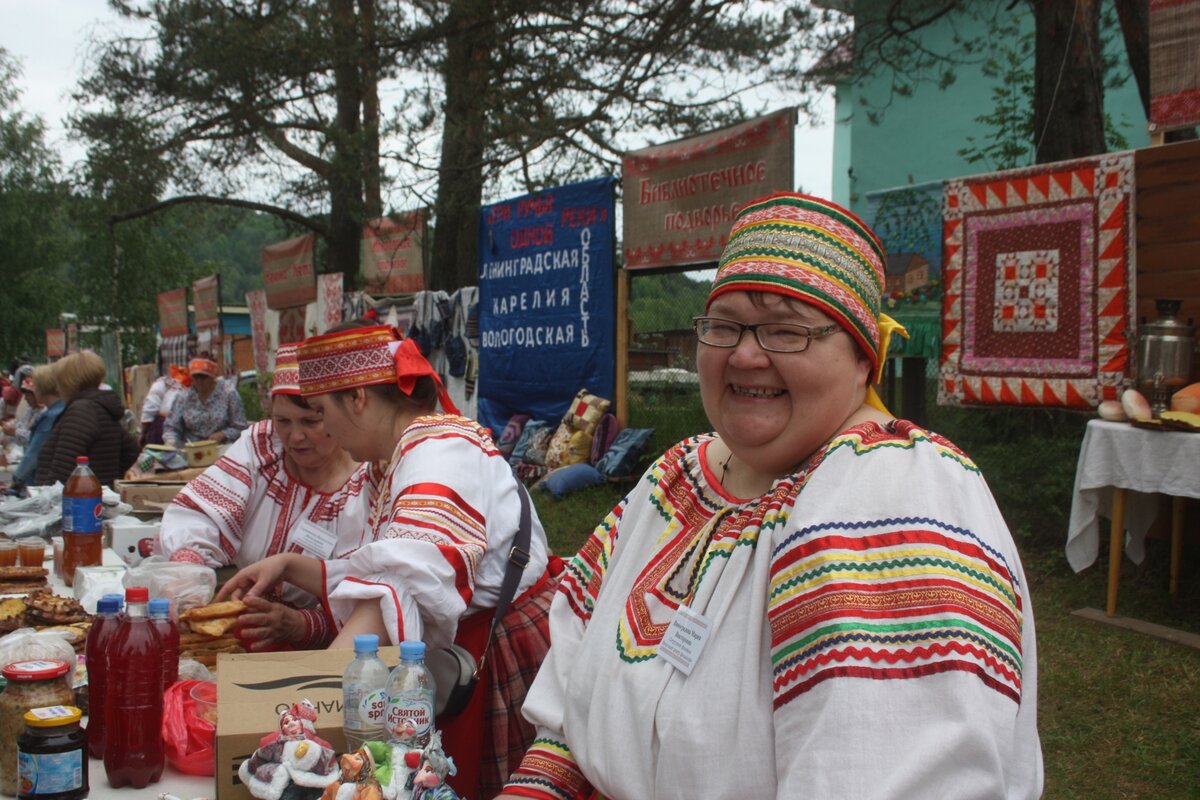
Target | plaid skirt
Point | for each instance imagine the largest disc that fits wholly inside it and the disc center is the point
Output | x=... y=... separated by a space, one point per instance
x=489 y=738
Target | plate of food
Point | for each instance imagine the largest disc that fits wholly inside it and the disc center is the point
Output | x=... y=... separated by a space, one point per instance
x=1180 y=421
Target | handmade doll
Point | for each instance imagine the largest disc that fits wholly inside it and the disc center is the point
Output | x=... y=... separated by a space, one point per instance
x=292 y=764
x=358 y=778
x=432 y=766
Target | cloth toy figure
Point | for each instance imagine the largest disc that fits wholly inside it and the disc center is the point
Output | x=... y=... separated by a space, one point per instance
x=358 y=780
x=292 y=764
x=431 y=766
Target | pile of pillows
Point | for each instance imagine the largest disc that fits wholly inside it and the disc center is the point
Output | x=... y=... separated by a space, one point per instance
x=585 y=448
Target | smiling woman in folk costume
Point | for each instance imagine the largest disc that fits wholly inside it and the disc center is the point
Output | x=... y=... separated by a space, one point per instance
x=285 y=486
x=442 y=528
x=823 y=594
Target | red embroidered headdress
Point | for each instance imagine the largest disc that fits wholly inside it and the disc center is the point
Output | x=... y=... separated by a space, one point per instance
x=286 y=379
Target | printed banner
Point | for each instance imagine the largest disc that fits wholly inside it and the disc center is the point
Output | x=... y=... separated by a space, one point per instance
x=56 y=343
x=680 y=198
x=393 y=253
x=546 y=301
x=172 y=313
x=206 y=302
x=288 y=274
x=1174 y=64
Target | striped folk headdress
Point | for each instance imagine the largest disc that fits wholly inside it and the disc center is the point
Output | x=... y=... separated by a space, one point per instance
x=817 y=252
x=286 y=379
x=368 y=356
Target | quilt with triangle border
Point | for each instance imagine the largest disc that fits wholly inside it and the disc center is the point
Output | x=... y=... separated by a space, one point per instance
x=1038 y=270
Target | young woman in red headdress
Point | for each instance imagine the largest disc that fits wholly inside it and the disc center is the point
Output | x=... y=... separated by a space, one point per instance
x=441 y=530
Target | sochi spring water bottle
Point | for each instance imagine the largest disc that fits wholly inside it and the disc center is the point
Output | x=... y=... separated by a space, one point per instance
x=410 y=698
x=364 y=693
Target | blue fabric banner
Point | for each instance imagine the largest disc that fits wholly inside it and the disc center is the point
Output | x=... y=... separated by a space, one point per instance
x=546 y=301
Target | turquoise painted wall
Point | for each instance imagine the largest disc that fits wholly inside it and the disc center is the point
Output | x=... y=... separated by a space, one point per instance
x=919 y=136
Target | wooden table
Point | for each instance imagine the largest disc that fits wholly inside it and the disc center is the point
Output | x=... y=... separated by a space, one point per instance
x=1126 y=466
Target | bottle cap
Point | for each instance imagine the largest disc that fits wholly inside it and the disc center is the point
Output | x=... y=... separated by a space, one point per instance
x=51 y=716
x=109 y=604
x=137 y=594
x=38 y=670
x=81 y=459
x=366 y=643
x=412 y=650
x=160 y=605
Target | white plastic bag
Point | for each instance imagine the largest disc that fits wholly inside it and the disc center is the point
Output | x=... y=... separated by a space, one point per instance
x=27 y=644
x=187 y=585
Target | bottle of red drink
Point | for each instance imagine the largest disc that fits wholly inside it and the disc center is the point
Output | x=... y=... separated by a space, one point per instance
x=133 y=745
x=83 y=542
x=108 y=609
x=160 y=615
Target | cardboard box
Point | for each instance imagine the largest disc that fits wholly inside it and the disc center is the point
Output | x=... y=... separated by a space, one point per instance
x=252 y=688
x=148 y=494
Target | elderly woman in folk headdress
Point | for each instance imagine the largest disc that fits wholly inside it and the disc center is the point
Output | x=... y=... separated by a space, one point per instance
x=439 y=539
x=825 y=595
x=208 y=409
x=156 y=408
x=285 y=486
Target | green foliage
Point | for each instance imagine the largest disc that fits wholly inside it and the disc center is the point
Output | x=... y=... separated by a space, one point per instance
x=665 y=302
x=35 y=228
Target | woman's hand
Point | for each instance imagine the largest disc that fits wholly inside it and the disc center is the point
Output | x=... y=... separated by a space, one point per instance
x=265 y=623
x=257 y=579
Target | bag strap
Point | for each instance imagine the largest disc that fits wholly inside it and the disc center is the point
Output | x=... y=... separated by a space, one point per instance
x=518 y=560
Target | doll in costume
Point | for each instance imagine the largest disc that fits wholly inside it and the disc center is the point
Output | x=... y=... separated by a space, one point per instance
x=293 y=763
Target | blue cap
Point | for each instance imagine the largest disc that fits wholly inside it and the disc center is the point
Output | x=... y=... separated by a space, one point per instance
x=160 y=605
x=366 y=643
x=109 y=604
x=412 y=650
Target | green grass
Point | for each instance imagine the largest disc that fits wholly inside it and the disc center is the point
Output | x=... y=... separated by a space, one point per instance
x=1119 y=711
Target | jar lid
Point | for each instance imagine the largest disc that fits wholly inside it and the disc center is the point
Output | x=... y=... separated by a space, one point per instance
x=52 y=716
x=36 y=670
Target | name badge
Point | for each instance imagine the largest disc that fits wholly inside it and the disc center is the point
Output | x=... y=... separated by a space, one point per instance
x=684 y=640
x=315 y=540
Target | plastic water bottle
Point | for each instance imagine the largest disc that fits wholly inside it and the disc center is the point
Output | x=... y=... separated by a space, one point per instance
x=99 y=636
x=133 y=745
x=364 y=693
x=411 y=693
x=168 y=632
x=82 y=509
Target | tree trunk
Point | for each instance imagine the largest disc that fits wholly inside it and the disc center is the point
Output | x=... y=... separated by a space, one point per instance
x=370 y=110
x=460 y=172
x=1068 y=89
x=346 y=212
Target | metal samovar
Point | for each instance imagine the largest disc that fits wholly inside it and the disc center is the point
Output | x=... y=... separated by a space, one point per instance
x=1165 y=349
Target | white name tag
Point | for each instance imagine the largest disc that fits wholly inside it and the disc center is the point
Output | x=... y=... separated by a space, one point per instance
x=684 y=640
x=315 y=540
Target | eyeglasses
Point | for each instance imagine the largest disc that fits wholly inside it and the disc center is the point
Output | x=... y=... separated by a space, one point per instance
x=774 y=337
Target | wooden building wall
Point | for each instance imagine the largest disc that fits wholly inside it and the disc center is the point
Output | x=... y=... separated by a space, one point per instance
x=1168 y=231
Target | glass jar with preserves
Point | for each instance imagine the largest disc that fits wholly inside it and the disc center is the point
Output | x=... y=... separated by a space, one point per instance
x=31 y=684
x=52 y=759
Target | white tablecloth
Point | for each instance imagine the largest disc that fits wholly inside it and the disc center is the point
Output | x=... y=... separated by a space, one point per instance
x=1141 y=461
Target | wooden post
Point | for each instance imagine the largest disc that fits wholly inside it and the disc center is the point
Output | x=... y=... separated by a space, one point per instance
x=621 y=385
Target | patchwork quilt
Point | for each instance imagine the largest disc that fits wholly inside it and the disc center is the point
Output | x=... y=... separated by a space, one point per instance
x=1039 y=285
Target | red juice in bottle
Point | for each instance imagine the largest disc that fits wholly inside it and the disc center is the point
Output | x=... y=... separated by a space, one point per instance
x=160 y=616
x=99 y=636
x=133 y=745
